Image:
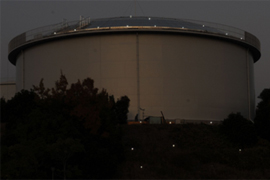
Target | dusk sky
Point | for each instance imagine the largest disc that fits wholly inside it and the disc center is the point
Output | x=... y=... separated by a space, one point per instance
x=251 y=16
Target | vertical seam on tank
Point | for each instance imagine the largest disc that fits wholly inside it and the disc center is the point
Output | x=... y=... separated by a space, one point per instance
x=100 y=73
x=248 y=84
x=138 y=75
x=23 y=73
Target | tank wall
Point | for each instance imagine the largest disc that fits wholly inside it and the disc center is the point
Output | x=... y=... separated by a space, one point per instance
x=192 y=78
x=109 y=60
x=185 y=77
x=7 y=91
x=19 y=72
x=251 y=85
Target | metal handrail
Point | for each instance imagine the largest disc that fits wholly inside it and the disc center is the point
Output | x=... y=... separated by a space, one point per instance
x=68 y=27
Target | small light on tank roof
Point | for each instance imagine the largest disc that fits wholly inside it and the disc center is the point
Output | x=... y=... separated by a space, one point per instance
x=130 y=16
x=54 y=33
x=75 y=29
x=149 y=18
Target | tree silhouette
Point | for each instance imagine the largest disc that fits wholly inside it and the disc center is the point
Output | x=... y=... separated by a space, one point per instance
x=69 y=131
x=239 y=130
x=262 y=119
x=121 y=108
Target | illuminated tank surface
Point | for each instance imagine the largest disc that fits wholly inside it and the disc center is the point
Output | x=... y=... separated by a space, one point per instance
x=189 y=70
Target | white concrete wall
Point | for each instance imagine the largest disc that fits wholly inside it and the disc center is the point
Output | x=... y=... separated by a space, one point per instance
x=186 y=77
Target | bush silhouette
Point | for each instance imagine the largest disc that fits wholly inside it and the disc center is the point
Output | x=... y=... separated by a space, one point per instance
x=262 y=119
x=239 y=130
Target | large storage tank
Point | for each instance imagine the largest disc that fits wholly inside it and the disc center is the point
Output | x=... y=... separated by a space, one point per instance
x=187 y=69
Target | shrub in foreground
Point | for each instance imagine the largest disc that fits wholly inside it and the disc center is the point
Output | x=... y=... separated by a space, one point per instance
x=239 y=130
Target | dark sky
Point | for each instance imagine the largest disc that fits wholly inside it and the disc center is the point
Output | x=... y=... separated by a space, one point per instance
x=251 y=16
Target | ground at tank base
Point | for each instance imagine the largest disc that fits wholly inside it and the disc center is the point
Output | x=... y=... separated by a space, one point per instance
x=188 y=151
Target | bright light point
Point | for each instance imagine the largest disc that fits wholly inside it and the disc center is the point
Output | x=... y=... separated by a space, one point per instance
x=170 y=122
x=240 y=150
x=202 y=25
x=127 y=25
x=149 y=18
x=155 y=25
x=54 y=33
x=75 y=29
x=241 y=38
x=98 y=27
x=132 y=149
x=211 y=122
x=130 y=16
x=140 y=121
x=173 y=145
x=182 y=27
x=226 y=33
x=141 y=167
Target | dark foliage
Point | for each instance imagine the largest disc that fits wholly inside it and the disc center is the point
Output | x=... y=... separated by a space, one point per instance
x=67 y=133
x=262 y=119
x=121 y=108
x=239 y=130
x=200 y=152
x=18 y=107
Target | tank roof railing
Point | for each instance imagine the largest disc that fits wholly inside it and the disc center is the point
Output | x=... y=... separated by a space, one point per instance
x=81 y=25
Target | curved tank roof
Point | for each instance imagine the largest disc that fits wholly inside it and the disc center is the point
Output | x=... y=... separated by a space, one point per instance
x=130 y=23
x=149 y=21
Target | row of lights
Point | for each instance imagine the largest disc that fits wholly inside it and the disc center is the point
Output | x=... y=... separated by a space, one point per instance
x=148 y=18
x=142 y=166
x=132 y=149
x=156 y=26
x=169 y=122
x=173 y=145
x=225 y=33
x=228 y=34
x=211 y=122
